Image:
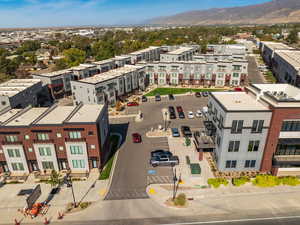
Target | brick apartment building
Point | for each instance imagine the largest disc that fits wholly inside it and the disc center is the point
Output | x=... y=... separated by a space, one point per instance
x=59 y=137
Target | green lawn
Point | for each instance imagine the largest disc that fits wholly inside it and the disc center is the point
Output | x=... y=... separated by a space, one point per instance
x=270 y=77
x=106 y=171
x=166 y=91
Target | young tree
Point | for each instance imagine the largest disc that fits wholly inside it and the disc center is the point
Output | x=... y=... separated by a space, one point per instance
x=74 y=56
x=293 y=37
x=54 y=179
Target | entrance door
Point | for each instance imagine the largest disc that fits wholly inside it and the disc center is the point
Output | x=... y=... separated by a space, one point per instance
x=94 y=163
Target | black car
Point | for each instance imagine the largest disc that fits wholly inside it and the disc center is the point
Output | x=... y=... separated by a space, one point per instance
x=159 y=153
x=172 y=112
x=186 y=131
x=198 y=94
x=171 y=97
x=157 y=98
x=144 y=99
x=205 y=94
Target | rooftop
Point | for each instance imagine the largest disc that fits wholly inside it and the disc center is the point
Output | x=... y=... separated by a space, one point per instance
x=180 y=50
x=15 y=86
x=276 y=45
x=290 y=56
x=110 y=74
x=144 y=50
x=82 y=67
x=238 y=101
x=104 y=61
x=55 y=73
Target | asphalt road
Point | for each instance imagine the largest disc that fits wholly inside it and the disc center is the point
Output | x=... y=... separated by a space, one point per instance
x=254 y=76
x=131 y=174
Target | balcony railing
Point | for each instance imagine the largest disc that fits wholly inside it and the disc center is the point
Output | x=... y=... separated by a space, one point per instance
x=11 y=143
x=43 y=141
x=75 y=140
x=286 y=158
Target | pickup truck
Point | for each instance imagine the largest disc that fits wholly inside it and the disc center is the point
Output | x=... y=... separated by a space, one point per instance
x=164 y=161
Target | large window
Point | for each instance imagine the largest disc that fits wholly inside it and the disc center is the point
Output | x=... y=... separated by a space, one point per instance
x=290 y=126
x=231 y=164
x=75 y=134
x=234 y=146
x=284 y=149
x=237 y=126
x=76 y=150
x=11 y=138
x=78 y=163
x=44 y=151
x=13 y=153
x=42 y=136
x=253 y=146
x=48 y=165
x=17 y=166
x=237 y=67
x=250 y=163
x=257 y=126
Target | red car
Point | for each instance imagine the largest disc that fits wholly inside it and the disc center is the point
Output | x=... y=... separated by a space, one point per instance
x=136 y=138
x=132 y=104
x=238 y=89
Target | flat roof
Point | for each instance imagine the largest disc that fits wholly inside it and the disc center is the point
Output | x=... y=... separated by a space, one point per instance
x=82 y=67
x=57 y=116
x=144 y=50
x=110 y=74
x=238 y=101
x=290 y=56
x=15 y=86
x=54 y=73
x=8 y=114
x=87 y=113
x=180 y=51
x=104 y=61
x=27 y=118
x=276 y=45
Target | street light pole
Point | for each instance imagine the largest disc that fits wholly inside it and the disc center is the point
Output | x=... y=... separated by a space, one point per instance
x=70 y=183
x=174 y=182
x=166 y=114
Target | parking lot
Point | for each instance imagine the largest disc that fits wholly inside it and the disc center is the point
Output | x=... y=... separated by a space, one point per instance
x=132 y=172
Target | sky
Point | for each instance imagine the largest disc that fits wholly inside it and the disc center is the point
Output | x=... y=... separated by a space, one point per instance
x=41 y=13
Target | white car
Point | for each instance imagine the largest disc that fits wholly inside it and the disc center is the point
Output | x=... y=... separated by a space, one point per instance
x=190 y=115
x=198 y=113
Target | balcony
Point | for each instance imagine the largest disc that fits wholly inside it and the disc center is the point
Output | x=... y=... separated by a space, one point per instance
x=12 y=143
x=75 y=140
x=43 y=141
x=287 y=158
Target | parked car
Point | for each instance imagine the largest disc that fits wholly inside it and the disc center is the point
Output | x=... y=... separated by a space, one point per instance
x=144 y=98
x=198 y=113
x=238 y=89
x=171 y=97
x=172 y=112
x=175 y=132
x=158 y=153
x=186 y=131
x=164 y=161
x=180 y=112
x=137 y=138
x=132 y=104
x=190 y=115
x=198 y=94
x=157 y=98
x=205 y=94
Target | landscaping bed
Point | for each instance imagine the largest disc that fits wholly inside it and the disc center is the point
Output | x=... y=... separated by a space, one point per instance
x=176 y=91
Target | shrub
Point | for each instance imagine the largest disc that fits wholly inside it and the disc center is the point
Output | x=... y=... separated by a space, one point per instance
x=240 y=181
x=84 y=205
x=266 y=181
x=187 y=141
x=292 y=181
x=180 y=200
x=216 y=182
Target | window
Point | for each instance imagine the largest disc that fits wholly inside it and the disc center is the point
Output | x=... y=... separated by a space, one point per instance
x=236 y=75
x=218 y=140
x=250 y=163
x=11 y=138
x=26 y=137
x=61 y=148
x=290 y=126
x=231 y=164
x=58 y=135
x=234 y=146
x=253 y=146
x=257 y=126
x=74 y=134
x=30 y=150
x=78 y=163
x=13 y=153
x=237 y=126
x=17 y=166
x=76 y=150
x=44 y=151
x=90 y=133
x=42 y=136
x=237 y=67
x=48 y=165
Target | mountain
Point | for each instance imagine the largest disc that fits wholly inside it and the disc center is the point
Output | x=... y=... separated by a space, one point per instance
x=276 y=11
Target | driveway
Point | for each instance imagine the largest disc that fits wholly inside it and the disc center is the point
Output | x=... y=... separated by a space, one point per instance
x=132 y=172
x=254 y=75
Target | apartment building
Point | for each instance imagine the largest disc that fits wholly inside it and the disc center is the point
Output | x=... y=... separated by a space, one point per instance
x=84 y=70
x=149 y=54
x=59 y=138
x=240 y=126
x=235 y=49
x=258 y=129
x=19 y=93
x=198 y=72
x=180 y=54
x=109 y=86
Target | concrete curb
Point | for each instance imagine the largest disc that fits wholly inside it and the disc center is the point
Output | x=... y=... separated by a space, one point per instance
x=114 y=163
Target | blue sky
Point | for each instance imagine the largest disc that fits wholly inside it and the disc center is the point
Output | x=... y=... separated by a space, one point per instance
x=29 y=13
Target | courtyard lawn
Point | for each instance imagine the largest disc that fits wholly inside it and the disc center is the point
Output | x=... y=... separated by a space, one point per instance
x=176 y=91
x=107 y=169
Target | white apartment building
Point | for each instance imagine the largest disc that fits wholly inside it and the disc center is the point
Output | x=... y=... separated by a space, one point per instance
x=108 y=86
x=235 y=49
x=180 y=54
x=240 y=127
x=206 y=73
x=19 y=93
x=149 y=54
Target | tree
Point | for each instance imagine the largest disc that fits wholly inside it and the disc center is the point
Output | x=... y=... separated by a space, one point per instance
x=187 y=141
x=54 y=179
x=293 y=37
x=74 y=56
x=60 y=64
x=28 y=46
